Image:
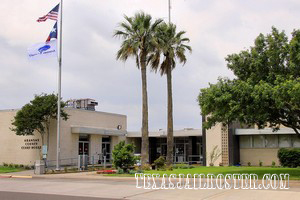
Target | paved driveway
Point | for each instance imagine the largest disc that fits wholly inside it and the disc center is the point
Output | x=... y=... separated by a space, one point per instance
x=117 y=188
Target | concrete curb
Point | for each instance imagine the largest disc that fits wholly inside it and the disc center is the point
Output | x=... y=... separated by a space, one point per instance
x=15 y=176
x=5 y=176
x=93 y=176
x=21 y=176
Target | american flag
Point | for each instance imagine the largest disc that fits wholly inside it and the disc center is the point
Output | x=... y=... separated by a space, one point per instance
x=53 y=15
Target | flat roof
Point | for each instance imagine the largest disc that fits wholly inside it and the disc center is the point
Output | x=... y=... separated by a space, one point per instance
x=163 y=133
x=265 y=131
x=72 y=109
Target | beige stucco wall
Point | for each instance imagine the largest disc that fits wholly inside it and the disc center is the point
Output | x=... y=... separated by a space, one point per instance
x=11 y=152
x=88 y=119
x=213 y=138
x=255 y=155
x=12 y=146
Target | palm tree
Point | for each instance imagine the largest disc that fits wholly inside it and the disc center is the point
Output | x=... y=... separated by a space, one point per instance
x=172 y=46
x=137 y=33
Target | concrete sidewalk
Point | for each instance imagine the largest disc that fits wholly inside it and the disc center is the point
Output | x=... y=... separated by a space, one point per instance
x=92 y=176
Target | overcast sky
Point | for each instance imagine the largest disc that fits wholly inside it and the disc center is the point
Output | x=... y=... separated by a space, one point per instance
x=90 y=70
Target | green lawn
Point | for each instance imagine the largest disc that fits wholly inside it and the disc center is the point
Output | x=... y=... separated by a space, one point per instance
x=260 y=171
x=9 y=169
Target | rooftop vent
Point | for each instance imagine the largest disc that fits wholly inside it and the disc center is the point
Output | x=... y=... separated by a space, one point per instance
x=84 y=104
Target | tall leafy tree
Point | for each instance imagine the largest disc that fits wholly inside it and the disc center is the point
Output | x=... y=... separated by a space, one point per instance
x=266 y=90
x=137 y=32
x=172 y=46
x=37 y=115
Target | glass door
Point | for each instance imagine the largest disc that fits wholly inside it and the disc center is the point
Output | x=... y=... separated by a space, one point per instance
x=179 y=153
x=83 y=148
x=106 y=148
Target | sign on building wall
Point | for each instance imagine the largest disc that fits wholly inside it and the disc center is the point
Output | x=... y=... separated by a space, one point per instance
x=31 y=144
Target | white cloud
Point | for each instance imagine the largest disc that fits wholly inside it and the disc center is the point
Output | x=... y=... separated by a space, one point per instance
x=216 y=29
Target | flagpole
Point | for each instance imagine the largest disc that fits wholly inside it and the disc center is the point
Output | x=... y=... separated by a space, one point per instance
x=169 y=11
x=59 y=89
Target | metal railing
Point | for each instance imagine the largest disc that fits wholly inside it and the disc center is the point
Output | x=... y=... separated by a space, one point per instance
x=95 y=160
x=66 y=162
x=83 y=161
x=195 y=159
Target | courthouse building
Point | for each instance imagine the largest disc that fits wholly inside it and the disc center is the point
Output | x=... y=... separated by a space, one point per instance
x=90 y=132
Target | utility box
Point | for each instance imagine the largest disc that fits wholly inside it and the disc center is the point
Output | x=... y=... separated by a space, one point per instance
x=39 y=167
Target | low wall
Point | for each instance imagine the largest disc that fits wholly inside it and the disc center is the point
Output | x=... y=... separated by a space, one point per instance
x=267 y=156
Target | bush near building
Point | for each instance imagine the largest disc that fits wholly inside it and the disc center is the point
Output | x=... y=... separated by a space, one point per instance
x=123 y=157
x=160 y=163
x=289 y=157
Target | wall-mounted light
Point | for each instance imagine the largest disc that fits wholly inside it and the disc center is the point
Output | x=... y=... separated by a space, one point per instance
x=119 y=127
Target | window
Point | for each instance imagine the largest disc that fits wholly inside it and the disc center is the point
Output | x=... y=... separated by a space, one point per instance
x=295 y=141
x=271 y=141
x=245 y=141
x=284 y=141
x=258 y=141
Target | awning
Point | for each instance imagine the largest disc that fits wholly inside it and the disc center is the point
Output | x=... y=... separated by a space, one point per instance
x=265 y=131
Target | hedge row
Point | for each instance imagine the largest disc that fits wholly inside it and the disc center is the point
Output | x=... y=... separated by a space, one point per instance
x=289 y=157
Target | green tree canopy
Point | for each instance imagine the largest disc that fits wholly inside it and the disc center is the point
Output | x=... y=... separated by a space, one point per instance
x=266 y=90
x=123 y=156
x=36 y=115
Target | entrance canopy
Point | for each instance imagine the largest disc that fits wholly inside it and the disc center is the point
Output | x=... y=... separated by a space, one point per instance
x=97 y=131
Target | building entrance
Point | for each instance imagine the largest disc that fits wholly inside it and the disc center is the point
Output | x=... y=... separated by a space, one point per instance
x=83 y=148
x=106 y=149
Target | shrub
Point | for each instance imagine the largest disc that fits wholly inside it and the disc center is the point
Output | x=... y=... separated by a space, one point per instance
x=214 y=155
x=11 y=165
x=169 y=168
x=260 y=163
x=131 y=172
x=120 y=171
x=273 y=163
x=249 y=164
x=159 y=163
x=146 y=167
x=289 y=157
x=27 y=167
x=5 y=164
x=21 y=165
x=123 y=156
x=180 y=166
x=16 y=166
x=140 y=171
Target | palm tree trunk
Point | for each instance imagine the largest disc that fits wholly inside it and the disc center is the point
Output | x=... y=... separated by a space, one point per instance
x=145 y=131
x=170 y=138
